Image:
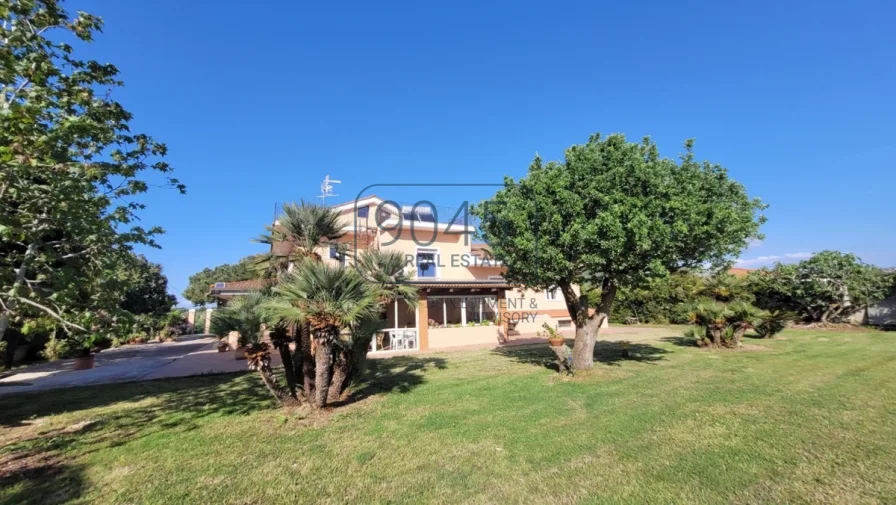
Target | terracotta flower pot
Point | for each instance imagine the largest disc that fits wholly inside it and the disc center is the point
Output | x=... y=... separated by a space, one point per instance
x=84 y=362
x=556 y=342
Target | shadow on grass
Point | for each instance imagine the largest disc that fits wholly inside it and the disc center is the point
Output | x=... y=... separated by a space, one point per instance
x=400 y=374
x=607 y=352
x=36 y=478
x=191 y=397
x=33 y=461
x=689 y=342
x=680 y=341
x=34 y=470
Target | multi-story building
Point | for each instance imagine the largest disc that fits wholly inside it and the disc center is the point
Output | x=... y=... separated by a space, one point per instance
x=463 y=297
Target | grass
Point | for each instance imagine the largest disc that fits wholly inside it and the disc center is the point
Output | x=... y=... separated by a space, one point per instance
x=810 y=419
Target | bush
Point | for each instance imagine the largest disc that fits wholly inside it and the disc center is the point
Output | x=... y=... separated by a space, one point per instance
x=56 y=349
x=773 y=323
x=697 y=336
x=97 y=342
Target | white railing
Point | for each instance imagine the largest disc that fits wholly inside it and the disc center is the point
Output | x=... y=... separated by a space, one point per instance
x=395 y=339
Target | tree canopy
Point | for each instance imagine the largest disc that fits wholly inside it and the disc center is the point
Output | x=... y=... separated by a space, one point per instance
x=148 y=289
x=70 y=167
x=197 y=289
x=615 y=213
x=828 y=286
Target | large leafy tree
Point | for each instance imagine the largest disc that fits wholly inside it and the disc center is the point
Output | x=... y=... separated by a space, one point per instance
x=826 y=287
x=70 y=167
x=147 y=291
x=198 y=288
x=614 y=213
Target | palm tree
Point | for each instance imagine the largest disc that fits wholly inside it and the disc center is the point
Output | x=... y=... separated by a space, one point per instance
x=245 y=315
x=713 y=318
x=742 y=317
x=307 y=227
x=387 y=274
x=331 y=300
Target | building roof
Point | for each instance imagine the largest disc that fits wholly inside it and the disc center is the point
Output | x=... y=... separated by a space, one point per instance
x=740 y=272
x=238 y=287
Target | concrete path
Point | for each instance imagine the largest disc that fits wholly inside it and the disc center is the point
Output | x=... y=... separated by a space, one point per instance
x=125 y=363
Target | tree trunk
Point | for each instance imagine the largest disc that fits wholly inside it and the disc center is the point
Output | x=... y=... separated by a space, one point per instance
x=14 y=293
x=305 y=360
x=12 y=343
x=341 y=372
x=270 y=381
x=716 y=337
x=4 y=324
x=738 y=334
x=288 y=369
x=323 y=356
x=588 y=327
x=357 y=362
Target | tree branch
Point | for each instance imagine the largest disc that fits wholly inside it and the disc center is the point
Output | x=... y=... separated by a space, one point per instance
x=50 y=311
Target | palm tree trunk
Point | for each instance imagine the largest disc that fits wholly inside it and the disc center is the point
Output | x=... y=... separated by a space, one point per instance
x=267 y=376
x=341 y=372
x=305 y=360
x=738 y=334
x=288 y=369
x=323 y=356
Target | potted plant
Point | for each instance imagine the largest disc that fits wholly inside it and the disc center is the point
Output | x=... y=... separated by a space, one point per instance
x=85 y=348
x=555 y=339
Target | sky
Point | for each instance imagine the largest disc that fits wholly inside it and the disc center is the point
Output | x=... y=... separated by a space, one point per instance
x=258 y=101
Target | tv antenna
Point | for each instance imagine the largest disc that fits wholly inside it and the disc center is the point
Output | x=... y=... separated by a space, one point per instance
x=326 y=188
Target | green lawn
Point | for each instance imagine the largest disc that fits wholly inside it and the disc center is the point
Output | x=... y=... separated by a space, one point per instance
x=809 y=419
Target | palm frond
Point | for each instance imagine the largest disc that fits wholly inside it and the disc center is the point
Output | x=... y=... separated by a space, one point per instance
x=388 y=272
x=309 y=225
x=324 y=295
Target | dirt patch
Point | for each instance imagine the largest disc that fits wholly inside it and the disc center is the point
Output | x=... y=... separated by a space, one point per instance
x=27 y=466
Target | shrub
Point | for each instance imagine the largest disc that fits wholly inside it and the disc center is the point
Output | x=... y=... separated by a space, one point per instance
x=56 y=349
x=773 y=323
x=697 y=336
x=97 y=342
x=138 y=338
x=741 y=317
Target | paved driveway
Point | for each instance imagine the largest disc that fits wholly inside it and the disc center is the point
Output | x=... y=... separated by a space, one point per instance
x=126 y=363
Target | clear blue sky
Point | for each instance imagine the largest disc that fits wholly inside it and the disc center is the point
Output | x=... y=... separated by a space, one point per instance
x=257 y=101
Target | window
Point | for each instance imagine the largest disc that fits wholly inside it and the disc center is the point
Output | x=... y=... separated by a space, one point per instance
x=426 y=263
x=461 y=310
x=363 y=211
x=564 y=323
x=551 y=294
